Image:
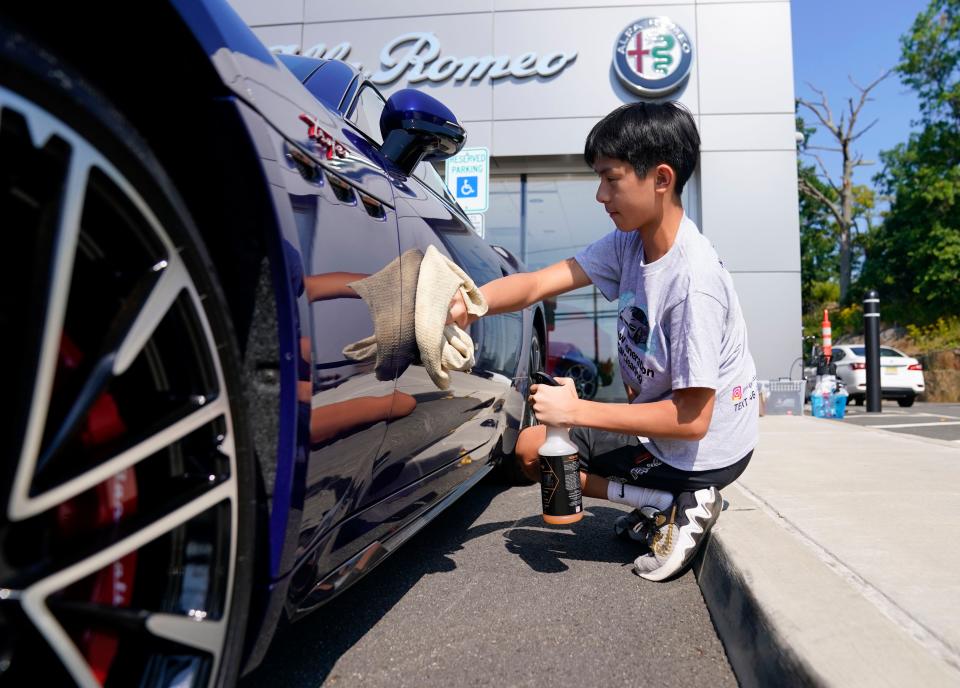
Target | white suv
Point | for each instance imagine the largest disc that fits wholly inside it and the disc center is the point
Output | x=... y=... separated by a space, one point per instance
x=901 y=377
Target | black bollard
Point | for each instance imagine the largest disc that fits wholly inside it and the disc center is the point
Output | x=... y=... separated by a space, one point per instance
x=871 y=327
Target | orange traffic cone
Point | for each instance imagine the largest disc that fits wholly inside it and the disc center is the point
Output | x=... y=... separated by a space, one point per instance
x=826 y=331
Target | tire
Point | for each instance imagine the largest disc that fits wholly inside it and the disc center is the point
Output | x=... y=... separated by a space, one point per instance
x=584 y=379
x=859 y=400
x=507 y=471
x=127 y=537
x=906 y=403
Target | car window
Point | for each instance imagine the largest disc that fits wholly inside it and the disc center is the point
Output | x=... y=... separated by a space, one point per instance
x=884 y=351
x=301 y=66
x=329 y=83
x=838 y=354
x=366 y=112
x=470 y=253
x=426 y=173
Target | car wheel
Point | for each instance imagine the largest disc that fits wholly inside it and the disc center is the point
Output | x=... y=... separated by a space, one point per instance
x=905 y=403
x=858 y=400
x=125 y=541
x=507 y=471
x=583 y=378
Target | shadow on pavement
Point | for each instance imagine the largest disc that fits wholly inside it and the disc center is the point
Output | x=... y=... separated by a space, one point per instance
x=304 y=653
x=546 y=549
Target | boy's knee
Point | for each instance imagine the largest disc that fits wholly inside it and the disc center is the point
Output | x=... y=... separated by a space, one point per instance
x=528 y=450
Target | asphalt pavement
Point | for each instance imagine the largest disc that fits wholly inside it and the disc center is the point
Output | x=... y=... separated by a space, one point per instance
x=490 y=595
x=931 y=420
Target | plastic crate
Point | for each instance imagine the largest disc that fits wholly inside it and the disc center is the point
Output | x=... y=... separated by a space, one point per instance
x=784 y=397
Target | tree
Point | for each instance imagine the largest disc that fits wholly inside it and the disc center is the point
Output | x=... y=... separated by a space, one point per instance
x=913 y=258
x=819 y=231
x=930 y=61
x=842 y=203
x=818 y=242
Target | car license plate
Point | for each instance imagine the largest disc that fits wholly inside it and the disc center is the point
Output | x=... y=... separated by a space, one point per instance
x=890 y=370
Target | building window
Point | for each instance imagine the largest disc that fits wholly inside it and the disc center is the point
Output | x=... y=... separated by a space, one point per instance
x=503 y=217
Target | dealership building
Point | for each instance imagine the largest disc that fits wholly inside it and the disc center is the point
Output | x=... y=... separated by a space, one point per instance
x=529 y=78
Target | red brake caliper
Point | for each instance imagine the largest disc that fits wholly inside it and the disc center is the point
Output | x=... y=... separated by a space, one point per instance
x=115 y=499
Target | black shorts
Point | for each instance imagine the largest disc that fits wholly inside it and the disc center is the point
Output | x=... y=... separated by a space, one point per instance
x=623 y=458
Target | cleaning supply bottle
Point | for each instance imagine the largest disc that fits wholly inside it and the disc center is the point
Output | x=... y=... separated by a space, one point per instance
x=840 y=403
x=559 y=472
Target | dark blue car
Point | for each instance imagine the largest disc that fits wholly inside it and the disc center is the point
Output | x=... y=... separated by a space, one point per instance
x=189 y=456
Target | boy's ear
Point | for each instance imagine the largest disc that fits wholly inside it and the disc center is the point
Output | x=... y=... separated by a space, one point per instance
x=664 y=178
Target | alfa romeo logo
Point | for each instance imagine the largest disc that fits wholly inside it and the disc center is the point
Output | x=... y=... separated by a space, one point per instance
x=653 y=56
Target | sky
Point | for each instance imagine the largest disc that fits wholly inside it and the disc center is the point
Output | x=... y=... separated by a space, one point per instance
x=837 y=39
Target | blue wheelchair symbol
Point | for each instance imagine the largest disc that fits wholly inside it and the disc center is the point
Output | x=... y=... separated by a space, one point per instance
x=467 y=187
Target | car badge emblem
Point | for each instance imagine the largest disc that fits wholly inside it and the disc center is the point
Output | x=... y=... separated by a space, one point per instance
x=324 y=141
x=653 y=56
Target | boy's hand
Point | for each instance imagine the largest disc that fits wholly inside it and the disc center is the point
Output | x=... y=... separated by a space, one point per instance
x=555 y=405
x=458 y=311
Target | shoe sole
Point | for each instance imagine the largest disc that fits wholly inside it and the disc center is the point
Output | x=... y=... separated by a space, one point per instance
x=681 y=556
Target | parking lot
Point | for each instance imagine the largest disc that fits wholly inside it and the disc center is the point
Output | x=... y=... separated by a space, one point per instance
x=933 y=420
x=489 y=595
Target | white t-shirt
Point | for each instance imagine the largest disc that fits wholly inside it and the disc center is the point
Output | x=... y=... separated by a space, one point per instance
x=680 y=325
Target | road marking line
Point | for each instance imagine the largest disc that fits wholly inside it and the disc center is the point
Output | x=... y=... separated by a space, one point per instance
x=913 y=425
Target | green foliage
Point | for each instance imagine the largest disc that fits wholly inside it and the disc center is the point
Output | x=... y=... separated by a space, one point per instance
x=824 y=292
x=819 y=259
x=846 y=320
x=942 y=334
x=931 y=60
x=913 y=258
x=820 y=231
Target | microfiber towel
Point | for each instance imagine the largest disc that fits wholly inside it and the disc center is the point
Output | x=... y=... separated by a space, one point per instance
x=444 y=347
x=393 y=342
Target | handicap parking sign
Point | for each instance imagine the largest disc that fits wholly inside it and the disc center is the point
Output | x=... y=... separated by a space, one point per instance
x=467 y=175
x=467 y=187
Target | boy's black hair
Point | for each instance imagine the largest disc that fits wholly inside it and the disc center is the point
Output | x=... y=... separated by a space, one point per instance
x=647 y=135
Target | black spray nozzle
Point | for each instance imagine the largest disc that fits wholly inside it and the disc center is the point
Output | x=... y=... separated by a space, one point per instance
x=542 y=378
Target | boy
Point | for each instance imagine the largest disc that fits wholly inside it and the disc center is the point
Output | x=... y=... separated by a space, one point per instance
x=691 y=424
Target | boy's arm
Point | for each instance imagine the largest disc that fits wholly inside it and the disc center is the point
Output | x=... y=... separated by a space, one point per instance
x=516 y=292
x=686 y=416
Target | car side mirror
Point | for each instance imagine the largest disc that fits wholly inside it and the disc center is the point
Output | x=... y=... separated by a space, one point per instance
x=415 y=127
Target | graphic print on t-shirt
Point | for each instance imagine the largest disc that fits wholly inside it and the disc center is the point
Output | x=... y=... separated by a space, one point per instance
x=634 y=326
x=634 y=342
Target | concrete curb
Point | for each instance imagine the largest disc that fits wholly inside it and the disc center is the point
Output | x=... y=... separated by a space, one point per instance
x=789 y=615
x=758 y=654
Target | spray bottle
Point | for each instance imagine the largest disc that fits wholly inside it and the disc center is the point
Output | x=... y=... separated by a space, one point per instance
x=559 y=471
x=822 y=400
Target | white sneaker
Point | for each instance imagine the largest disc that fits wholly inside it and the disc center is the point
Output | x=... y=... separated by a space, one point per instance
x=681 y=530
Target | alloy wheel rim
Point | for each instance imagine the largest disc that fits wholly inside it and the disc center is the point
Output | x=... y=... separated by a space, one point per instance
x=189 y=533
x=582 y=380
